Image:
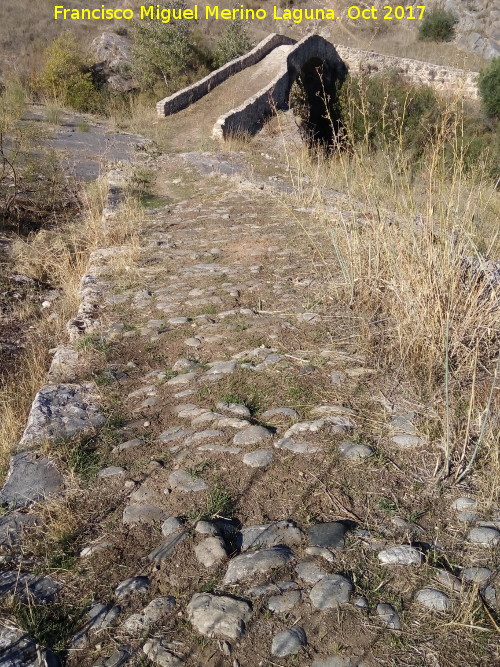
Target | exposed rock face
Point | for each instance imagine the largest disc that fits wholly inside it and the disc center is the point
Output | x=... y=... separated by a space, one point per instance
x=478 y=27
x=112 y=54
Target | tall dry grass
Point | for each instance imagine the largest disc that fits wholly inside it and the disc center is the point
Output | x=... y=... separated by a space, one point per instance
x=59 y=256
x=406 y=250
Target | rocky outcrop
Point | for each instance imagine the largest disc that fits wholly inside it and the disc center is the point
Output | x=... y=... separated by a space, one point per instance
x=112 y=55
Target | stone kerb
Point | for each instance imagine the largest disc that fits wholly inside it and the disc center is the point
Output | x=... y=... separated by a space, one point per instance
x=439 y=77
x=183 y=98
x=248 y=116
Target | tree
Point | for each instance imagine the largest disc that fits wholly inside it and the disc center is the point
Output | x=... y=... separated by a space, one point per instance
x=489 y=88
x=233 y=43
x=162 y=51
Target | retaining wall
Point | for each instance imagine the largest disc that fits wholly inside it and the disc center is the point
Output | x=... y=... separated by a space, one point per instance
x=443 y=79
x=183 y=98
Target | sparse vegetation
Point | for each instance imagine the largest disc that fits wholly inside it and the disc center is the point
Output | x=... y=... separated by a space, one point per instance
x=234 y=42
x=66 y=78
x=166 y=53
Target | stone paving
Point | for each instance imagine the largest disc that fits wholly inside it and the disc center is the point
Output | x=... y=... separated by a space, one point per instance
x=240 y=530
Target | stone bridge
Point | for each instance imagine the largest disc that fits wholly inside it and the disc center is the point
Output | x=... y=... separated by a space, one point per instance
x=259 y=82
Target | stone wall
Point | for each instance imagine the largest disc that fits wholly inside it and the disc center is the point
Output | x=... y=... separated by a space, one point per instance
x=443 y=79
x=248 y=117
x=183 y=98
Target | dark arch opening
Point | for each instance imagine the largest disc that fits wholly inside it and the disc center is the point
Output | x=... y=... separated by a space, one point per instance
x=313 y=99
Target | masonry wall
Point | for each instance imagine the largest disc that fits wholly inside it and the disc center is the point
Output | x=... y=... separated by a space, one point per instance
x=183 y=98
x=439 y=77
x=248 y=117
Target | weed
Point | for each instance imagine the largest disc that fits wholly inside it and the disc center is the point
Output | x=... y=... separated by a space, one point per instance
x=51 y=625
x=92 y=342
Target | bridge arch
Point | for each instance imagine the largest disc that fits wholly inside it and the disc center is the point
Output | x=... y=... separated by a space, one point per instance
x=314 y=62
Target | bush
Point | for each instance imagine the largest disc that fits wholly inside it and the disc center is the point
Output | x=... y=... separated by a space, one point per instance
x=438 y=26
x=164 y=51
x=233 y=43
x=489 y=88
x=384 y=109
x=66 y=77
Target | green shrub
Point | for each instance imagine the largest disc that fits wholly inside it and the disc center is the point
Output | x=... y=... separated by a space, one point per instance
x=383 y=109
x=233 y=43
x=165 y=52
x=438 y=25
x=66 y=77
x=489 y=88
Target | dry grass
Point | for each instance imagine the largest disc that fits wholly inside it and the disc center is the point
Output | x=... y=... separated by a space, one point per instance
x=399 y=240
x=61 y=255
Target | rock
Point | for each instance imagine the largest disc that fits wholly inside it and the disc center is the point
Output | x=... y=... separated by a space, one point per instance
x=167 y=547
x=171 y=525
x=236 y=409
x=310 y=572
x=247 y=565
x=330 y=591
x=353 y=450
x=206 y=417
x=112 y=49
x=335 y=661
x=100 y=616
x=476 y=575
x=360 y=602
x=269 y=535
x=334 y=424
x=449 y=580
x=219 y=616
x=433 y=599
x=26 y=585
x=116 y=659
x=321 y=552
x=130 y=586
x=389 y=616
x=160 y=655
x=288 y=642
x=464 y=504
x=252 y=435
x=31 y=477
x=125 y=446
x=12 y=527
x=221 y=367
x=173 y=434
x=136 y=513
x=331 y=410
x=487 y=537
x=59 y=411
x=211 y=551
x=142 y=621
x=327 y=535
x=297 y=447
x=100 y=545
x=208 y=434
x=65 y=365
x=18 y=649
x=280 y=604
x=400 y=555
x=206 y=528
x=408 y=441
x=111 y=471
x=184 y=378
x=192 y=342
x=184 y=364
x=181 y=480
x=289 y=413
x=259 y=458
